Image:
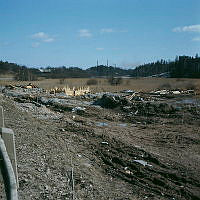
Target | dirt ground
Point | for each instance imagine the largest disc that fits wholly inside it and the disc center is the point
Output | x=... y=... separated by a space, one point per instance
x=104 y=153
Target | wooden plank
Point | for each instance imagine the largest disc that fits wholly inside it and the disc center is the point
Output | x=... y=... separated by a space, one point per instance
x=1 y=117
x=8 y=173
x=9 y=140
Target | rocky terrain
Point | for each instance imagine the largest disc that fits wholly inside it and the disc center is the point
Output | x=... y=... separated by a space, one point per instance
x=120 y=146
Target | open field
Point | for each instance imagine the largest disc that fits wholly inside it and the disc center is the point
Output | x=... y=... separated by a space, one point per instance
x=137 y=84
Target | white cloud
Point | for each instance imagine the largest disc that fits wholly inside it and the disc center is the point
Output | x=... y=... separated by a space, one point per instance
x=107 y=30
x=48 y=40
x=111 y=30
x=191 y=28
x=42 y=37
x=196 y=39
x=85 y=33
x=99 y=49
x=35 y=44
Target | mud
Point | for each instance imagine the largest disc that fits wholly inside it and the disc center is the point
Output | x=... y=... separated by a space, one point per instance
x=171 y=180
x=144 y=148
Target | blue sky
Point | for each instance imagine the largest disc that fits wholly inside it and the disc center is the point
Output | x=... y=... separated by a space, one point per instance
x=78 y=32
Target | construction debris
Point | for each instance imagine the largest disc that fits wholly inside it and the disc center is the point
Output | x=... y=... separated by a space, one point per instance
x=71 y=91
x=136 y=103
x=101 y=133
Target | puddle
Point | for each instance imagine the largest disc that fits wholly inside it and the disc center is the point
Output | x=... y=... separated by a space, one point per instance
x=190 y=101
x=78 y=109
x=102 y=124
x=142 y=162
x=122 y=125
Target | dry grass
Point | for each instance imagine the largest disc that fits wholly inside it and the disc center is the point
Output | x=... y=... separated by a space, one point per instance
x=137 y=84
x=6 y=76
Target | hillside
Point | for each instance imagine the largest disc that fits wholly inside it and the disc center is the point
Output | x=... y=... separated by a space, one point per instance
x=18 y=72
x=181 y=67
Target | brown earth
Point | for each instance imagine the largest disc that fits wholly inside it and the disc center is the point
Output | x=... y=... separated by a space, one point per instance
x=113 y=155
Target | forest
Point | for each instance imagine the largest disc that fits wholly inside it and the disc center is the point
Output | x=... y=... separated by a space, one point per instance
x=181 y=67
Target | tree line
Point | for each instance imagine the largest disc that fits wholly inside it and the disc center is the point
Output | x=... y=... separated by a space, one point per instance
x=19 y=72
x=181 y=67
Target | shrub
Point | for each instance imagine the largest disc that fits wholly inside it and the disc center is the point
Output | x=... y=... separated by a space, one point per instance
x=180 y=80
x=166 y=86
x=62 y=81
x=190 y=86
x=128 y=82
x=92 y=82
x=25 y=75
x=115 y=81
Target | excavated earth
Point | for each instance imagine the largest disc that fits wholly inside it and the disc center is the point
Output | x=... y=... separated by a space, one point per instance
x=103 y=153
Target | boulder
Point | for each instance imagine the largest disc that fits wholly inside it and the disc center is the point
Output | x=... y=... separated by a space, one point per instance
x=112 y=101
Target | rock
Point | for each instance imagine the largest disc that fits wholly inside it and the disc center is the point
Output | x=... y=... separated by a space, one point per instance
x=167 y=108
x=43 y=100
x=112 y=101
x=108 y=101
x=79 y=110
x=128 y=91
x=2 y=88
x=105 y=143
